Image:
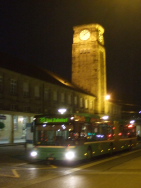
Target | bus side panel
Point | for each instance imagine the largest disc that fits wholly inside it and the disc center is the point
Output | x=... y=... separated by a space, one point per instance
x=100 y=147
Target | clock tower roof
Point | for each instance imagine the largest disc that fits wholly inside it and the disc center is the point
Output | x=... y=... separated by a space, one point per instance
x=89 y=26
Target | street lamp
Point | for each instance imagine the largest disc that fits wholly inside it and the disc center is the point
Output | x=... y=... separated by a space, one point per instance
x=107 y=97
x=105 y=117
x=62 y=110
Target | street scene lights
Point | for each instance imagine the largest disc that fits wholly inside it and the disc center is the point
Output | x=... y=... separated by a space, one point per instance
x=62 y=110
x=105 y=117
x=107 y=97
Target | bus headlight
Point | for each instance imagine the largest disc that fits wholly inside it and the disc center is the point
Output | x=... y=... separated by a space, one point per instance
x=33 y=153
x=70 y=155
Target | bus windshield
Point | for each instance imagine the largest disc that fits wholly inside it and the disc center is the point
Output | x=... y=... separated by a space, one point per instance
x=53 y=134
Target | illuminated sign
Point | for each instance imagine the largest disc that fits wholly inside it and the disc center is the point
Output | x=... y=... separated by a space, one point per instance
x=53 y=120
x=2 y=117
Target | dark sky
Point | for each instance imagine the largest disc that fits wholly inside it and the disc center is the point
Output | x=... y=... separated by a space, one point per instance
x=41 y=32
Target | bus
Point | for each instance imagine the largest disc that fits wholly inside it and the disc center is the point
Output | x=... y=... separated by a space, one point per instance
x=79 y=136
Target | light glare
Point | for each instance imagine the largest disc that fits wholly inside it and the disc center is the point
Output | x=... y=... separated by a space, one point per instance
x=70 y=155
x=62 y=110
x=33 y=153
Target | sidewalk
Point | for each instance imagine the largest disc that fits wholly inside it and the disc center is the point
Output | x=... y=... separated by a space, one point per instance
x=14 y=153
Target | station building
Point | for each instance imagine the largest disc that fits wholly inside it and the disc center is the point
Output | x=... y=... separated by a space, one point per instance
x=27 y=90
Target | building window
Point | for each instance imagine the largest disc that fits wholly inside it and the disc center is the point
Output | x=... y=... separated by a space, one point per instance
x=75 y=100
x=69 y=99
x=86 y=103
x=37 y=91
x=46 y=93
x=26 y=109
x=13 y=107
x=1 y=83
x=91 y=105
x=81 y=102
x=62 y=97
x=25 y=89
x=13 y=87
x=1 y=105
x=55 y=95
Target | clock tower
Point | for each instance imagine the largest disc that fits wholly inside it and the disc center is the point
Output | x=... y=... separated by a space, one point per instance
x=89 y=62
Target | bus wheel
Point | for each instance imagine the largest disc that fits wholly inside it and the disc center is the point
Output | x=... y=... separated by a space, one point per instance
x=89 y=153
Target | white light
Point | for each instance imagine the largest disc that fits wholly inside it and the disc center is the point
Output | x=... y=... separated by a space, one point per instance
x=99 y=135
x=33 y=153
x=107 y=97
x=132 y=121
x=62 y=110
x=63 y=126
x=70 y=155
x=105 y=117
x=21 y=119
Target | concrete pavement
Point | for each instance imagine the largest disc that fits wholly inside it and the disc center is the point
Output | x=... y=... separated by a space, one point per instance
x=14 y=153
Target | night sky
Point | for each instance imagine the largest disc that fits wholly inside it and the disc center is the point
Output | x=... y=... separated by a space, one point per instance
x=41 y=32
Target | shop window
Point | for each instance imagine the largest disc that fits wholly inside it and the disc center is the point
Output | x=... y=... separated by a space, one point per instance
x=20 y=128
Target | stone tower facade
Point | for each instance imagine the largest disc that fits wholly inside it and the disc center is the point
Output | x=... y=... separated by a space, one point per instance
x=89 y=62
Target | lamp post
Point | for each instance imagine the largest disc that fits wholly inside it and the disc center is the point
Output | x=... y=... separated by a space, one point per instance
x=62 y=110
x=108 y=97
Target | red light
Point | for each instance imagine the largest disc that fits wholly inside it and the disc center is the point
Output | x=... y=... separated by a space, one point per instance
x=109 y=135
x=120 y=134
x=130 y=126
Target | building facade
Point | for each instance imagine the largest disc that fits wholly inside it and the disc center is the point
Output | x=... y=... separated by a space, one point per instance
x=25 y=92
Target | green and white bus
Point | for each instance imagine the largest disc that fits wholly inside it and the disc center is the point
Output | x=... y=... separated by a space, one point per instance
x=79 y=136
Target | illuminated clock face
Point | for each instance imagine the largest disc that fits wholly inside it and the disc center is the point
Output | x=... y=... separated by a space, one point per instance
x=85 y=34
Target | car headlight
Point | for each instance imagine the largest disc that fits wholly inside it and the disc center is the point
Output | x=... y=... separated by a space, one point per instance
x=33 y=153
x=70 y=155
